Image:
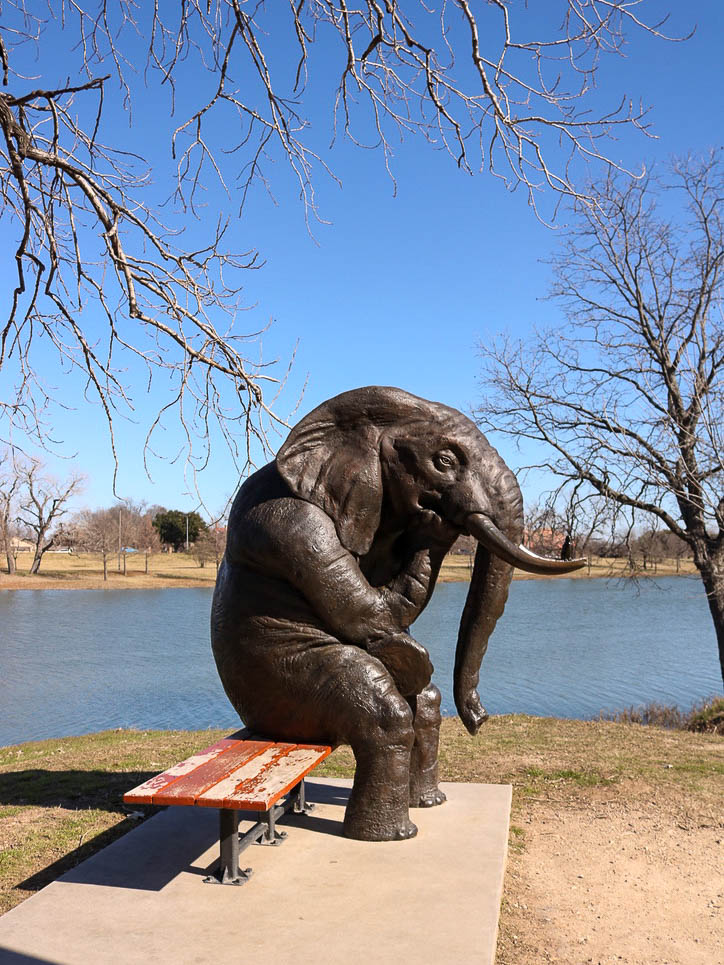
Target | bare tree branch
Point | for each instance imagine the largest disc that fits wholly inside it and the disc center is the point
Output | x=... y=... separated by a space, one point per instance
x=85 y=234
x=628 y=398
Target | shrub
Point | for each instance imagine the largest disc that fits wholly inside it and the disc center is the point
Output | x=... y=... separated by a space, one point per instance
x=705 y=717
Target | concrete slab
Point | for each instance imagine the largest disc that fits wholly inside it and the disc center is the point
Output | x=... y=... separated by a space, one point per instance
x=317 y=897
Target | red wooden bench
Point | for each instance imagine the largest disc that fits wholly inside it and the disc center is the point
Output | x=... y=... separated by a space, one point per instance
x=242 y=772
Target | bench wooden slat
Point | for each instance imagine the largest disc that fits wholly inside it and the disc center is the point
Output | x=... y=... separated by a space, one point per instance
x=215 y=796
x=259 y=792
x=143 y=794
x=188 y=788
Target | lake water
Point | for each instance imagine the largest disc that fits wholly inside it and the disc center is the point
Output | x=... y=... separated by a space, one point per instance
x=77 y=661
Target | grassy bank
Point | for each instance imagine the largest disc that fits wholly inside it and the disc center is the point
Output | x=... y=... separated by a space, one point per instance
x=60 y=800
x=84 y=571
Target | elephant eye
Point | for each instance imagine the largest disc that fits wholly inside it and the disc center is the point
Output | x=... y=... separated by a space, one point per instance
x=444 y=460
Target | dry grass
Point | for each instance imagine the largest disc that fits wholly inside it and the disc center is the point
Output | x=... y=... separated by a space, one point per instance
x=84 y=571
x=60 y=800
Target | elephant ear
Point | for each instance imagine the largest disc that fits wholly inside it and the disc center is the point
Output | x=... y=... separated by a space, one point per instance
x=332 y=458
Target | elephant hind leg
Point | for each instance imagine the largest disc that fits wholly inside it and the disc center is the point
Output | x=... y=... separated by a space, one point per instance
x=381 y=738
x=337 y=693
x=424 y=789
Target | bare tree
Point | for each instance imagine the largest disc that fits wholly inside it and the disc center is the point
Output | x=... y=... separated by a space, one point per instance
x=203 y=548
x=566 y=524
x=42 y=505
x=545 y=530
x=96 y=531
x=82 y=218
x=9 y=485
x=147 y=539
x=629 y=397
x=138 y=531
x=674 y=548
x=210 y=543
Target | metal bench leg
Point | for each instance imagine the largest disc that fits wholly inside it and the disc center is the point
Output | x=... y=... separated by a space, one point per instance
x=301 y=805
x=294 y=800
x=229 y=872
x=264 y=831
x=271 y=834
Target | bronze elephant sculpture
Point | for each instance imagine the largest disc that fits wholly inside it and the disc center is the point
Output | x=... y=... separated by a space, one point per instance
x=333 y=551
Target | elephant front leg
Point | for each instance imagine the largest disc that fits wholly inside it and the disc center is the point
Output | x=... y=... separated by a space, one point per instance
x=424 y=789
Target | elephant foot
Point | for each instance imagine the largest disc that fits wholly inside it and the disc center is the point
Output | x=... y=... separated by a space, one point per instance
x=424 y=789
x=379 y=831
x=428 y=799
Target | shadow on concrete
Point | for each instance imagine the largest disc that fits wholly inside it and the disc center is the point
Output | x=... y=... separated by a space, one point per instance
x=74 y=790
x=69 y=861
x=158 y=850
x=9 y=957
x=327 y=793
x=168 y=844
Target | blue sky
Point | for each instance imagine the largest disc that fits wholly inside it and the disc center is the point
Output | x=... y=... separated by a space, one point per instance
x=399 y=289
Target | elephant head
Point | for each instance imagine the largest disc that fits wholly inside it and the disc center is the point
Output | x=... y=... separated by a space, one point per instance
x=386 y=465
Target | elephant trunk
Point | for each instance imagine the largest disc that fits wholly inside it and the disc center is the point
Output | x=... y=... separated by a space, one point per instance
x=484 y=605
x=495 y=558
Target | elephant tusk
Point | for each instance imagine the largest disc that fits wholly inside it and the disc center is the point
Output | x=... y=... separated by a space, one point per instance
x=486 y=532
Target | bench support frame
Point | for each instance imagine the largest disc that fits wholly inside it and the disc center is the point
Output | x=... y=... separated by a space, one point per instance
x=263 y=831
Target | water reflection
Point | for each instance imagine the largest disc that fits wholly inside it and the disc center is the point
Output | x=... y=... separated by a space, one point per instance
x=77 y=661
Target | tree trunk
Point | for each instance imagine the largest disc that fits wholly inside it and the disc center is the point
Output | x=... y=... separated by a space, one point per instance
x=39 y=551
x=711 y=568
x=5 y=537
x=147 y=561
x=9 y=554
x=105 y=565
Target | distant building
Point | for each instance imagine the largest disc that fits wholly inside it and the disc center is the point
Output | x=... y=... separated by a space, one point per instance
x=544 y=540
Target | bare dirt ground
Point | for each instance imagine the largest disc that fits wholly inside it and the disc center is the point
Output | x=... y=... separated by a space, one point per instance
x=618 y=882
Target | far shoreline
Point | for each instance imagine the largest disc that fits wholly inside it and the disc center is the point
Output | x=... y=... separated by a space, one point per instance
x=181 y=571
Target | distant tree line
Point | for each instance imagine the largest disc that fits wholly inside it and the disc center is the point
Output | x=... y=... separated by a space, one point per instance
x=34 y=516
x=113 y=532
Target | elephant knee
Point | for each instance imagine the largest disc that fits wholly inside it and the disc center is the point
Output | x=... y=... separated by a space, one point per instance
x=388 y=723
x=397 y=723
x=427 y=706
